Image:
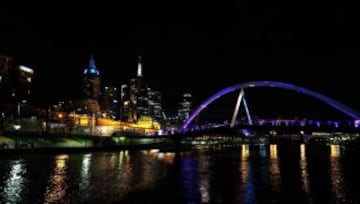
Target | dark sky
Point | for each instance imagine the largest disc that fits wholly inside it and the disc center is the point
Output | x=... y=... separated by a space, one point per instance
x=198 y=47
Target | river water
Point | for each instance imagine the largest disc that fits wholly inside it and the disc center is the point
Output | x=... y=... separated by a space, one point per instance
x=292 y=173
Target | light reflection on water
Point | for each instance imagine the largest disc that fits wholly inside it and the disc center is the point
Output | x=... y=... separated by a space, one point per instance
x=304 y=172
x=84 y=185
x=15 y=183
x=56 y=190
x=248 y=174
x=336 y=175
x=247 y=179
x=274 y=170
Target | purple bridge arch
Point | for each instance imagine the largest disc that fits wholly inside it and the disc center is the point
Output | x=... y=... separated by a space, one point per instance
x=335 y=104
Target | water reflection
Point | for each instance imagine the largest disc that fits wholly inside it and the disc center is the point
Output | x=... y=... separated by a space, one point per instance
x=247 y=178
x=14 y=184
x=275 y=176
x=204 y=178
x=190 y=176
x=337 y=180
x=125 y=172
x=304 y=172
x=263 y=150
x=300 y=174
x=56 y=189
x=84 y=185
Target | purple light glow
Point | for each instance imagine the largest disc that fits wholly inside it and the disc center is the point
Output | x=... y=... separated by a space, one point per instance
x=261 y=122
x=337 y=105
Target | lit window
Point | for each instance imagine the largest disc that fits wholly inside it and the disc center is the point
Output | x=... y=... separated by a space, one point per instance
x=28 y=79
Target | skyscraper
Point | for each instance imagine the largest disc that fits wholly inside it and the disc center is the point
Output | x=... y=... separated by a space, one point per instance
x=138 y=100
x=111 y=102
x=184 y=107
x=154 y=103
x=90 y=90
x=16 y=84
x=23 y=83
x=91 y=81
x=125 y=105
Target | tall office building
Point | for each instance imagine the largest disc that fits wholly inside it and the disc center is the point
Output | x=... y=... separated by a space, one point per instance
x=138 y=95
x=16 y=84
x=111 y=102
x=125 y=104
x=138 y=100
x=23 y=83
x=91 y=81
x=154 y=104
x=90 y=90
x=184 y=107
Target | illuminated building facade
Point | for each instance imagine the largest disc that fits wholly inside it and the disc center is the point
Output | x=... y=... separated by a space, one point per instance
x=184 y=107
x=137 y=100
x=125 y=105
x=155 y=107
x=90 y=90
x=23 y=83
x=110 y=105
x=91 y=81
x=15 y=87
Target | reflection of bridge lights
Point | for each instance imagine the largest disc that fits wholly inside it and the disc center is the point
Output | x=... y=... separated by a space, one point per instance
x=336 y=175
x=302 y=152
x=262 y=150
x=304 y=172
x=273 y=151
x=334 y=150
x=244 y=151
x=274 y=170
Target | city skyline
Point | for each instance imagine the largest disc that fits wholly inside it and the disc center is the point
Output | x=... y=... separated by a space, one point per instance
x=201 y=54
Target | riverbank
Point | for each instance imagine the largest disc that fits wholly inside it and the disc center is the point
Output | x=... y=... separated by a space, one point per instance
x=57 y=150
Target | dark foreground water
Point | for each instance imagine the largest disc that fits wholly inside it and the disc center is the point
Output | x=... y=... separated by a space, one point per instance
x=245 y=174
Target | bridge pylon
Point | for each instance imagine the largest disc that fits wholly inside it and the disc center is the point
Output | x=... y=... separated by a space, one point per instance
x=241 y=97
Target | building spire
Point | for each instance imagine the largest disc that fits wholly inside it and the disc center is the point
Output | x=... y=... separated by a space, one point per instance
x=92 y=62
x=139 y=68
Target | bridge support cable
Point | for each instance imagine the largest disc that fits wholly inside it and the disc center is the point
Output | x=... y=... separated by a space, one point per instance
x=237 y=106
x=250 y=122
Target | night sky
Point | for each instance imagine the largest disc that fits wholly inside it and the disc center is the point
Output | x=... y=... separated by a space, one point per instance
x=198 y=48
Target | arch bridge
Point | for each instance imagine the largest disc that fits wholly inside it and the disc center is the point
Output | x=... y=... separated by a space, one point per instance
x=271 y=84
